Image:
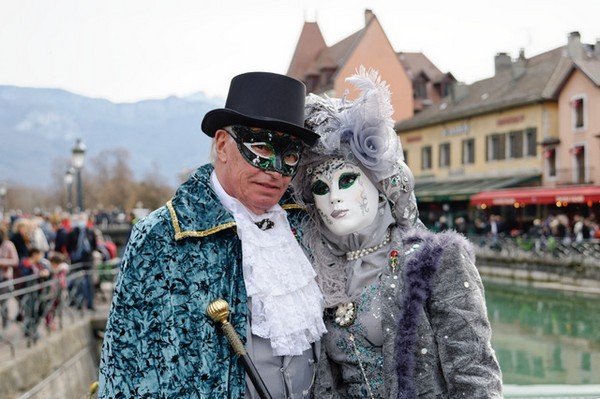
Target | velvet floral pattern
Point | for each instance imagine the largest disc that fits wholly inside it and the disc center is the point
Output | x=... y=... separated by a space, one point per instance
x=159 y=342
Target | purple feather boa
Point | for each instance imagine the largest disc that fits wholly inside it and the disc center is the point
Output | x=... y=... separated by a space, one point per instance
x=419 y=272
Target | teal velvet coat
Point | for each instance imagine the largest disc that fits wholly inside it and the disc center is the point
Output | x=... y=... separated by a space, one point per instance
x=159 y=342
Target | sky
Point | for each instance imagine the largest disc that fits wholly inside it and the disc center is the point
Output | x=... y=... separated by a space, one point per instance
x=131 y=50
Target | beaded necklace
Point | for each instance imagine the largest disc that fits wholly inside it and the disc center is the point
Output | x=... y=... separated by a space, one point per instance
x=359 y=253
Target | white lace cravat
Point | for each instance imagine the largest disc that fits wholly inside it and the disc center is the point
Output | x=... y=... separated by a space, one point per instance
x=287 y=304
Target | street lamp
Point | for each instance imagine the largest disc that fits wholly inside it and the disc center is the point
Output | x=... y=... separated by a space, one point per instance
x=3 y=191
x=77 y=156
x=69 y=174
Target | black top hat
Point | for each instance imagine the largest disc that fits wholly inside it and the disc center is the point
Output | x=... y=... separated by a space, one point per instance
x=265 y=100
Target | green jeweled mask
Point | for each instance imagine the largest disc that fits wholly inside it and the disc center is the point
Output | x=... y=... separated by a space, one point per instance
x=268 y=150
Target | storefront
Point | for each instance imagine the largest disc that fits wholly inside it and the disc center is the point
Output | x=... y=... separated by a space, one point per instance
x=558 y=196
x=519 y=206
x=449 y=200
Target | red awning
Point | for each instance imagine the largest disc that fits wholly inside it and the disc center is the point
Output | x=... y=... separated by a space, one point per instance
x=538 y=195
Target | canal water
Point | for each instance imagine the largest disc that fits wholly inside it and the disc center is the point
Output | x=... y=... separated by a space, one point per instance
x=544 y=336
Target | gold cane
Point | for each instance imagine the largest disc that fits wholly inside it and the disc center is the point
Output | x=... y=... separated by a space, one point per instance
x=219 y=311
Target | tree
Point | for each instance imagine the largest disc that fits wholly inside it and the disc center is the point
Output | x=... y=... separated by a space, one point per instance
x=108 y=184
x=153 y=191
x=112 y=183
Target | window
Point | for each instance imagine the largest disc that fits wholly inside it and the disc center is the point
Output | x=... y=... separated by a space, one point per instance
x=444 y=160
x=495 y=147
x=578 y=104
x=420 y=88
x=426 y=158
x=550 y=155
x=515 y=144
x=312 y=83
x=531 y=142
x=468 y=151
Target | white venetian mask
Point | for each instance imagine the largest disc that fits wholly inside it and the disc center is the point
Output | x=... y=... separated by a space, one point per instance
x=345 y=198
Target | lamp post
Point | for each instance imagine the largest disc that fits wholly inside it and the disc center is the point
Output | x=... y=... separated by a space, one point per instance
x=3 y=191
x=77 y=157
x=69 y=174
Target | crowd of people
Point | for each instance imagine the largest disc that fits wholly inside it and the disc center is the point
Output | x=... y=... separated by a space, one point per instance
x=45 y=248
x=563 y=227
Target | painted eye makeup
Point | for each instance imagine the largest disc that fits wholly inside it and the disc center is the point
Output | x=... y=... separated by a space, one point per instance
x=319 y=187
x=347 y=179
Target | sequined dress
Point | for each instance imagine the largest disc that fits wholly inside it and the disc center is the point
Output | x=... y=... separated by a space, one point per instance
x=358 y=347
x=421 y=328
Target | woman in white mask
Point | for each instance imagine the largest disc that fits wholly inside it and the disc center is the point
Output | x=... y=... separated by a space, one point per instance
x=406 y=313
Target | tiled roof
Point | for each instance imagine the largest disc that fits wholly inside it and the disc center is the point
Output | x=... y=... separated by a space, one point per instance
x=312 y=54
x=541 y=80
x=310 y=44
x=340 y=51
x=591 y=68
x=415 y=63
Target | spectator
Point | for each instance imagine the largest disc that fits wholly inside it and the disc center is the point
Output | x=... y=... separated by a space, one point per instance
x=60 y=268
x=560 y=228
x=81 y=244
x=39 y=239
x=581 y=229
x=9 y=261
x=21 y=237
x=62 y=236
x=31 y=305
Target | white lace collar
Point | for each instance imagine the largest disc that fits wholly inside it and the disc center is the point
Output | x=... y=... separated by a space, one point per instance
x=287 y=304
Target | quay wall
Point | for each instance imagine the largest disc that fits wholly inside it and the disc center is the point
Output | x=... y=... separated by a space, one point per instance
x=579 y=273
x=60 y=366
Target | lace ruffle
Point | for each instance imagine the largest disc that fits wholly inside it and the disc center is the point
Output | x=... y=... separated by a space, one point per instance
x=286 y=301
x=287 y=304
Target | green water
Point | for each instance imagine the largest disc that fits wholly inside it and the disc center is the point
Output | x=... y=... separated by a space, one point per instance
x=544 y=336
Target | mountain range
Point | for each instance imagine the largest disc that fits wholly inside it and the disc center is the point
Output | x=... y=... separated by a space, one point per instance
x=37 y=126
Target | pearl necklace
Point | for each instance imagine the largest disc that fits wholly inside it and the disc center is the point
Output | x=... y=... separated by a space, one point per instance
x=359 y=253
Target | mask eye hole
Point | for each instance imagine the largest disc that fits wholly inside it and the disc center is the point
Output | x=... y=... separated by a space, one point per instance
x=291 y=158
x=319 y=187
x=261 y=149
x=347 y=179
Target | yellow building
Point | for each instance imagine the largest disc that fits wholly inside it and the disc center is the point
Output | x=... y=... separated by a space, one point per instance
x=493 y=134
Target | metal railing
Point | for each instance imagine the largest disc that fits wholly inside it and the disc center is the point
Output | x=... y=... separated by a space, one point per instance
x=32 y=307
x=545 y=249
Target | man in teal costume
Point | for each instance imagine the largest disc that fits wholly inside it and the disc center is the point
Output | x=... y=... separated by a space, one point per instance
x=229 y=232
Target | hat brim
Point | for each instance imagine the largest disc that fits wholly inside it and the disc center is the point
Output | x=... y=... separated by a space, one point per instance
x=220 y=118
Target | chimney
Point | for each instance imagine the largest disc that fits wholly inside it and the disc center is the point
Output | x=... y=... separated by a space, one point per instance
x=502 y=62
x=368 y=16
x=459 y=91
x=574 y=46
x=519 y=66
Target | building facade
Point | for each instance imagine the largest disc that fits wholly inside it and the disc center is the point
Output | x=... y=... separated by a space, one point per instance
x=414 y=81
x=529 y=126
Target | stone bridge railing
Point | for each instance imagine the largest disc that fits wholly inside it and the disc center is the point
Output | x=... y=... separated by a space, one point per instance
x=49 y=341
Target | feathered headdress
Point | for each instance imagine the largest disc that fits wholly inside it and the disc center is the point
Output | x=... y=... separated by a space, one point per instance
x=363 y=129
x=361 y=132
